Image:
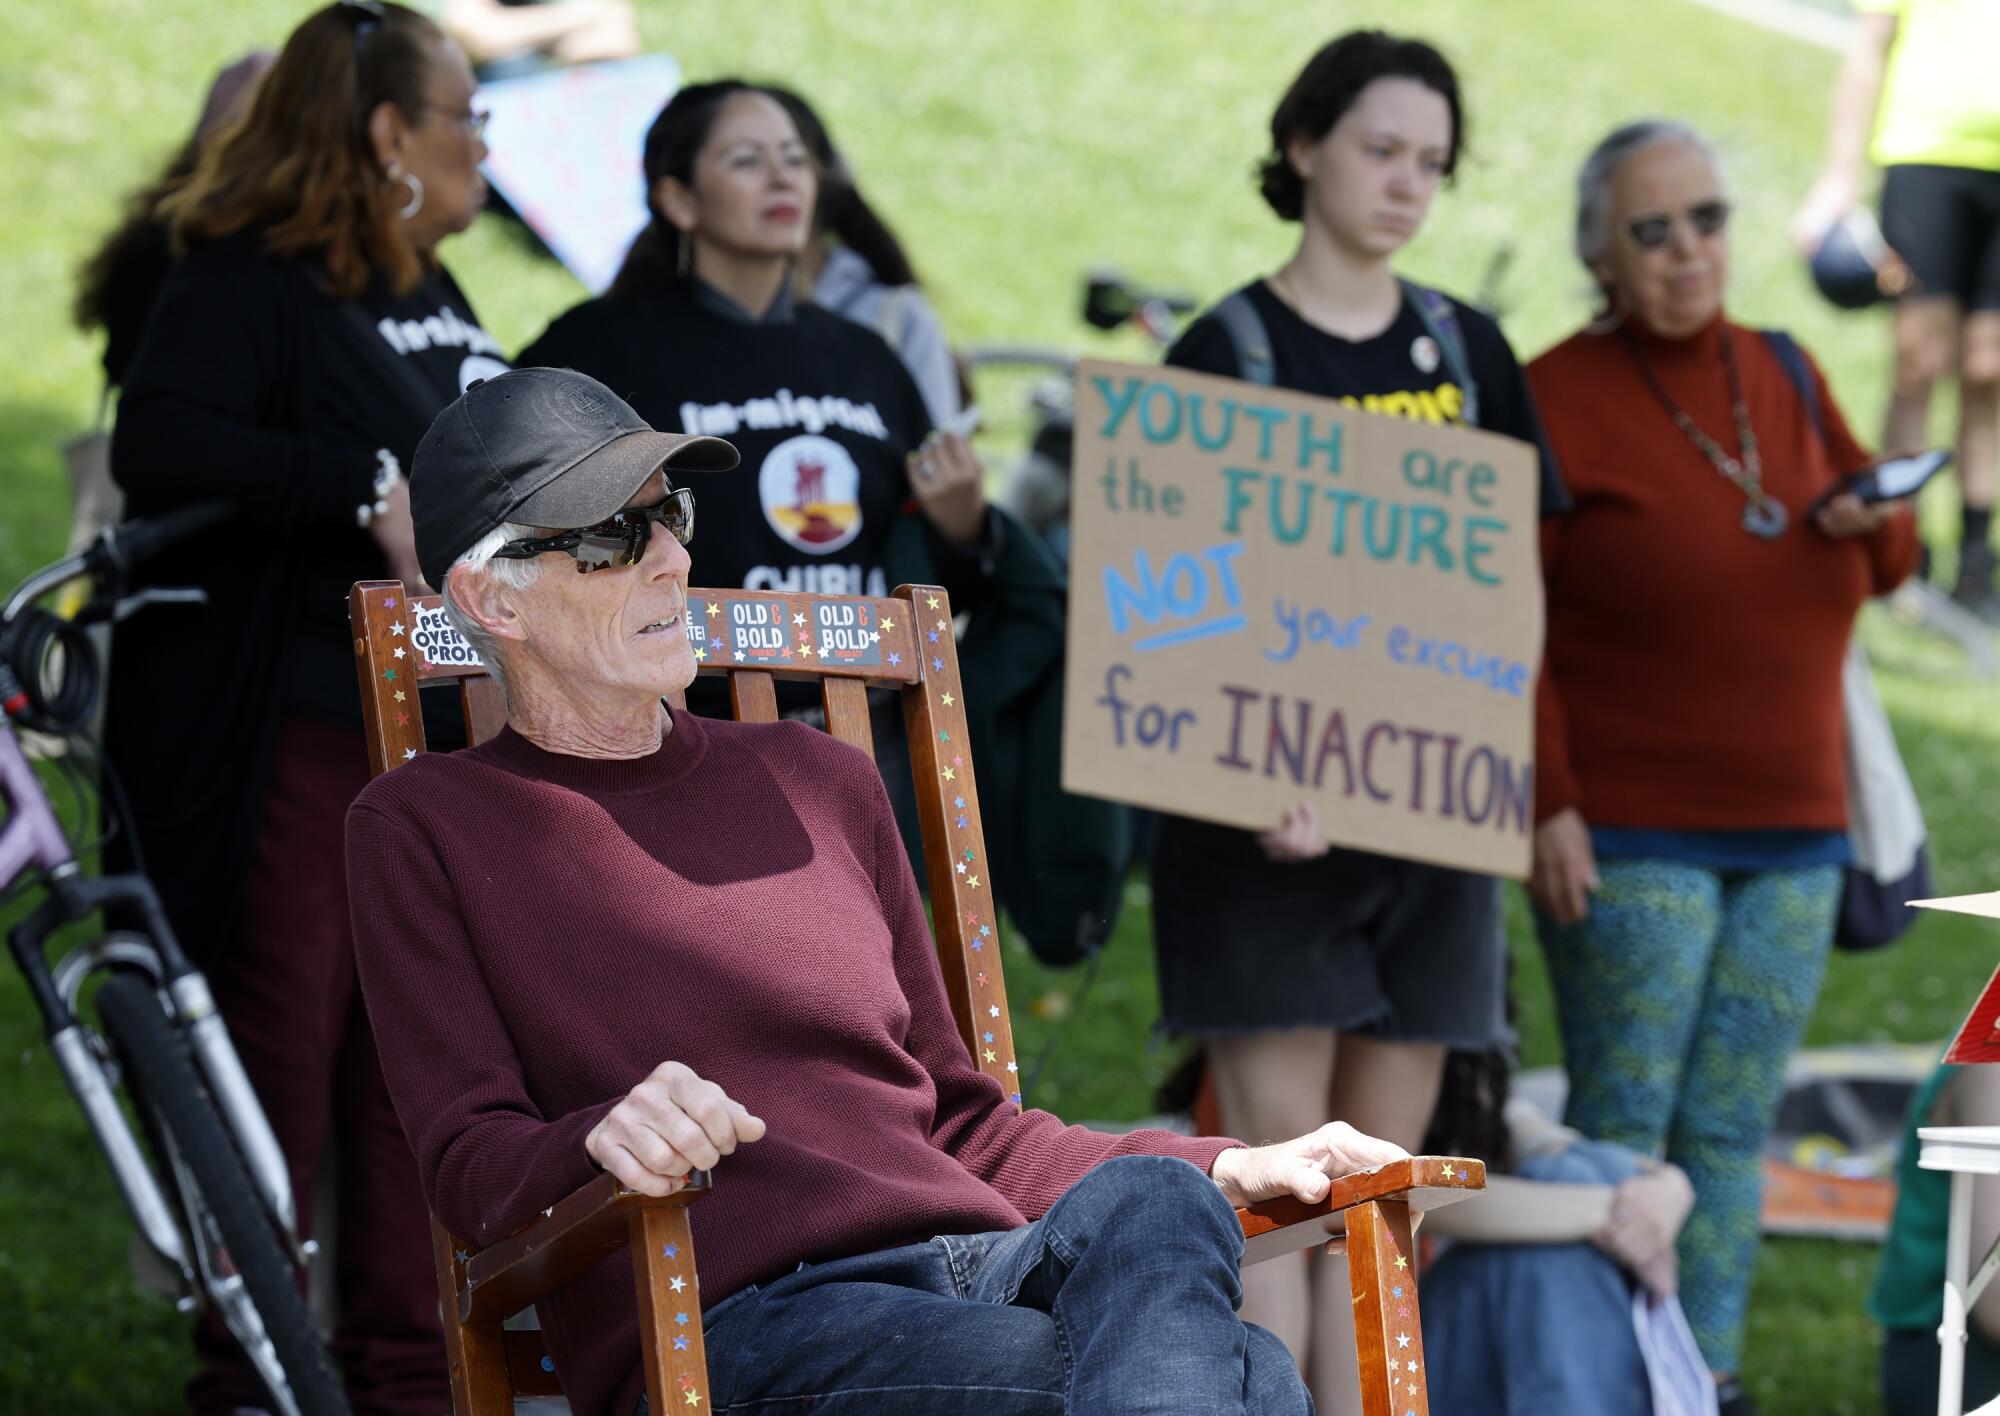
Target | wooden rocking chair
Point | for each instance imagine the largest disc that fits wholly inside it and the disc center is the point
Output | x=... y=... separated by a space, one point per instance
x=847 y=645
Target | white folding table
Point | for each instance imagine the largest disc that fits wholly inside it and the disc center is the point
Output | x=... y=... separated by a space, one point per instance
x=1967 y=1152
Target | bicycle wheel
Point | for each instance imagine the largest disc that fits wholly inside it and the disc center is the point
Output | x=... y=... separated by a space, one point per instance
x=266 y=1309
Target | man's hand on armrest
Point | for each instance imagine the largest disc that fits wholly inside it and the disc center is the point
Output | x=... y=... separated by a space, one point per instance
x=669 y=1124
x=1302 y=1167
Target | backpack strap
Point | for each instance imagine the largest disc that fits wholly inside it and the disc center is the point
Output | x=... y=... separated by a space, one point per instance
x=1434 y=308
x=1792 y=360
x=1245 y=327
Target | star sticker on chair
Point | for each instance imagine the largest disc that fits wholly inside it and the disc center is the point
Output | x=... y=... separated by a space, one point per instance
x=958 y=802
x=681 y=1344
x=993 y=1010
x=1402 y=1339
x=692 y=1397
x=700 y=654
x=937 y=665
x=991 y=1055
x=973 y=881
x=798 y=619
x=409 y=753
x=1401 y=1262
x=402 y=720
x=985 y=930
x=396 y=628
x=713 y=609
x=963 y=823
x=1013 y=1066
x=807 y=650
x=677 y=1283
x=1397 y=1291
x=1412 y=1365
x=389 y=604
x=888 y=623
x=986 y=1037
x=399 y=695
x=389 y=674
x=961 y=867
x=947 y=700
x=944 y=735
x=681 y=1318
x=934 y=635
x=670 y=1251
x=978 y=944
x=980 y=978
x=1448 y=1173
x=398 y=651
x=739 y=656
x=931 y=600
x=895 y=659
x=949 y=774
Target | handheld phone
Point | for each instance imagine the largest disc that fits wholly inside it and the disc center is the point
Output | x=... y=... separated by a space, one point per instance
x=1891 y=479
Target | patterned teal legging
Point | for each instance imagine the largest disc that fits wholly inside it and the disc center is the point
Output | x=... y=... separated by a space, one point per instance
x=1680 y=999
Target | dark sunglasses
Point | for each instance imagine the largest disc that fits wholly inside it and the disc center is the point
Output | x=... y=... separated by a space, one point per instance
x=1649 y=233
x=368 y=16
x=618 y=540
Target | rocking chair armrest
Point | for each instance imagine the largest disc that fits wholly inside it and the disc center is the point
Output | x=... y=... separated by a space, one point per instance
x=1425 y=1182
x=584 y=1227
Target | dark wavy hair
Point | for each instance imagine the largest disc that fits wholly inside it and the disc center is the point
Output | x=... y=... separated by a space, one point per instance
x=299 y=165
x=841 y=210
x=653 y=262
x=1329 y=85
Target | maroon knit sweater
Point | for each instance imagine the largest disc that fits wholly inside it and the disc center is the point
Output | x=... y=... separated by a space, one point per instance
x=537 y=932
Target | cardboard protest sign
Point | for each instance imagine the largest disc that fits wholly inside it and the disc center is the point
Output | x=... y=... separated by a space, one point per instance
x=1276 y=597
x=1978 y=1037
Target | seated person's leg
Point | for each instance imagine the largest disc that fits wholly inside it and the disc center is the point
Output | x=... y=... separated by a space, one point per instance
x=1532 y=1330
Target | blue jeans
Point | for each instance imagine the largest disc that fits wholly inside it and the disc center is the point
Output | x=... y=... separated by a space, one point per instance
x=1120 y=1300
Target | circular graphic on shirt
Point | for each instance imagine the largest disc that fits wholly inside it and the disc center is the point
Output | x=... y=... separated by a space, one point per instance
x=811 y=492
x=1424 y=353
x=478 y=366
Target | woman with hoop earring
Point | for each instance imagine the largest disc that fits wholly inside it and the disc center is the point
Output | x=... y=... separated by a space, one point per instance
x=300 y=348
x=1689 y=768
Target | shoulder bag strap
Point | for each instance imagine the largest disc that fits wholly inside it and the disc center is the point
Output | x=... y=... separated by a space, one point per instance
x=1245 y=327
x=1441 y=322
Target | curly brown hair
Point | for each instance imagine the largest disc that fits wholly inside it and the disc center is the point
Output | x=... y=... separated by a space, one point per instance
x=300 y=167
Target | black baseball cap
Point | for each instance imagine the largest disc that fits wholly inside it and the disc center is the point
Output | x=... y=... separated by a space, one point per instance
x=542 y=447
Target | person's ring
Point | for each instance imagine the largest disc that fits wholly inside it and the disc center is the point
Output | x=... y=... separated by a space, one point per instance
x=925 y=466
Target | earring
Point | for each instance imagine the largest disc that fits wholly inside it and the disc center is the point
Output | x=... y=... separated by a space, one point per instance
x=415 y=184
x=1612 y=315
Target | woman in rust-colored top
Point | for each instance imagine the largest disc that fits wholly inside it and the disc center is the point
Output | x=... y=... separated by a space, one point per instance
x=1690 y=778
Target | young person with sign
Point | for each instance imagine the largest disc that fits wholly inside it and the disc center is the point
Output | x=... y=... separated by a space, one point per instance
x=1689 y=749
x=1319 y=976
x=298 y=350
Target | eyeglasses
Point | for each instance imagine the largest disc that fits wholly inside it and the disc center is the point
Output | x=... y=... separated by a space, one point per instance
x=1653 y=231
x=474 y=121
x=616 y=541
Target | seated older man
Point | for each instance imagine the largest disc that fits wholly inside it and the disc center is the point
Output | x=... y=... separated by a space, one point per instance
x=618 y=937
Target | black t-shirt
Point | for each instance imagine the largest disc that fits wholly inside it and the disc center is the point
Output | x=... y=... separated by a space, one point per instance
x=822 y=411
x=252 y=385
x=1400 y=372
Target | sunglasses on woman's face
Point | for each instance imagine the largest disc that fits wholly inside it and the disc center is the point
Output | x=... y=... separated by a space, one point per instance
x=618 y=540
x=1654 y=230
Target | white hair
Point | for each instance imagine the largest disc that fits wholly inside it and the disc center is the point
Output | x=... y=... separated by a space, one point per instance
x=483 y=560
x=1593 y=183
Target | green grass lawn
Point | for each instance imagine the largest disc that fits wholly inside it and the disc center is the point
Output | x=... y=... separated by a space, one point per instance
x=1014 y=146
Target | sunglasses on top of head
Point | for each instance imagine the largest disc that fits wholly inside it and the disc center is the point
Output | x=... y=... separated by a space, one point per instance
x=1655 y=229
x=617 y=540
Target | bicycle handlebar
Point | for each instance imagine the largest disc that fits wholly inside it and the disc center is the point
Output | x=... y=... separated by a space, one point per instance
x=117 y=551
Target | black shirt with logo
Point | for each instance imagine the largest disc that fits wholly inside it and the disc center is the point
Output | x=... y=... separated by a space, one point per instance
x=254 y=387
x=822 y=412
